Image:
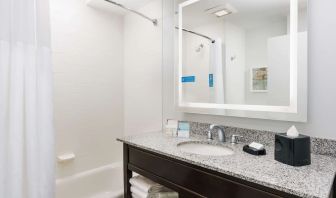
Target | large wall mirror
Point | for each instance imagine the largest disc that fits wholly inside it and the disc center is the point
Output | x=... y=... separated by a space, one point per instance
x=242 y=58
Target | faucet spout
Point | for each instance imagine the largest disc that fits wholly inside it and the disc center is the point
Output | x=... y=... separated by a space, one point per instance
x=220 y=131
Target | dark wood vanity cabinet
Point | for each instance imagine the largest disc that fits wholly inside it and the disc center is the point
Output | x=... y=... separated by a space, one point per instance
x=333 y=191
x=189 y=180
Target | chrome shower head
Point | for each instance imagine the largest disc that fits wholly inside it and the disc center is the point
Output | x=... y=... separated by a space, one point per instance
x=200 y=47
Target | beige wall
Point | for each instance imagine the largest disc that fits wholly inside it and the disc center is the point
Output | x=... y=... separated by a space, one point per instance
x=143 y=70
x=108 y=79
x=88 y=70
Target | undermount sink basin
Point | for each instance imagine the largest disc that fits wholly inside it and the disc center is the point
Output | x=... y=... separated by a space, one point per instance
x=203 y=148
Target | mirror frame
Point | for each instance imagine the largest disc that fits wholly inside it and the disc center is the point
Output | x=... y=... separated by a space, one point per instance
x=212 y=107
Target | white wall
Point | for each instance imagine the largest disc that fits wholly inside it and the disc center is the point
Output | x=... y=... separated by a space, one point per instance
x=321 y=63
x=143 y=71
x=257 y=55
x=88 y=70
x=278 y=68
x=234 y=80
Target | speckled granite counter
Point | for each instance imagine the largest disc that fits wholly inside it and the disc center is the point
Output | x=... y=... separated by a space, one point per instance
x=313 y=181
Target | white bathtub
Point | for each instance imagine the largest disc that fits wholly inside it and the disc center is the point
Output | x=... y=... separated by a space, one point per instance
x=102 y=182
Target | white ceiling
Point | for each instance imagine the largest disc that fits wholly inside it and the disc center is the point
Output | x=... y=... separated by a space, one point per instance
x=103 y=5
x=250 y=12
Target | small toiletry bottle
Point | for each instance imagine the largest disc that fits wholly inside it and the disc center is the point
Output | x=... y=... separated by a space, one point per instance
x=171 y=127
x=183 y=129
x=170 y=130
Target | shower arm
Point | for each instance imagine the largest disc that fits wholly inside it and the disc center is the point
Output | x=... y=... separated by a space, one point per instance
x=154 y=21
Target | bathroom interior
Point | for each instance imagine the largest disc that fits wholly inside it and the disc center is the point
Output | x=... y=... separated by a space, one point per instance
x=167 y=98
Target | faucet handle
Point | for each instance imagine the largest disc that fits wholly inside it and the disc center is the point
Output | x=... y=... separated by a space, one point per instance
x=234 y=138
x=210 y=135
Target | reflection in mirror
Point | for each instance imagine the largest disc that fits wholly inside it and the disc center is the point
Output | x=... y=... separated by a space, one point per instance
x=238 y=51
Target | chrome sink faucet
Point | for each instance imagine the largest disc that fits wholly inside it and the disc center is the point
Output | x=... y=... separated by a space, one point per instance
x=220 y=130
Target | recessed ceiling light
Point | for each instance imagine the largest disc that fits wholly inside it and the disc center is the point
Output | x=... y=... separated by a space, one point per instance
x=221 y=13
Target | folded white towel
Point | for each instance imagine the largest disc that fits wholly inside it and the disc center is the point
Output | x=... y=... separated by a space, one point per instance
x=146 y=185
x=166 y=195
x=135 y=196
x=137 y=193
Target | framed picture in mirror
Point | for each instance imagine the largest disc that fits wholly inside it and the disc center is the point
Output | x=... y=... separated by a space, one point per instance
x=259 y=79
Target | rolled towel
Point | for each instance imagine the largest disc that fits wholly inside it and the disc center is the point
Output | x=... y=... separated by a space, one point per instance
x=166 y=195
x=147 y=185
x=137 y=193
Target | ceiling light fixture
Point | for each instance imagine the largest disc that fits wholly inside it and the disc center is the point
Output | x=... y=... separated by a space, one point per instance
x=223 y=12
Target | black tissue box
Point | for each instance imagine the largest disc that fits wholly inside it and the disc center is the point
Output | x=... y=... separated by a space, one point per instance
x=292 y=151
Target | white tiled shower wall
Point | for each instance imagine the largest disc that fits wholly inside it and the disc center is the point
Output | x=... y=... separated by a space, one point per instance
x=143 y=70
x=107 y=68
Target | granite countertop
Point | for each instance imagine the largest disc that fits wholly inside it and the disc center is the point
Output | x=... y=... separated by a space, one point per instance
x=313 y=181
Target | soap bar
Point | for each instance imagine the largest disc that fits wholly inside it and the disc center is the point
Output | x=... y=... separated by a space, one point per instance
x=66 y=157
x=254 y=151
x=256 y=146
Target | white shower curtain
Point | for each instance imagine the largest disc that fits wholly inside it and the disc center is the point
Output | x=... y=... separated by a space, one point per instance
x=26 y=128
x=216 y=69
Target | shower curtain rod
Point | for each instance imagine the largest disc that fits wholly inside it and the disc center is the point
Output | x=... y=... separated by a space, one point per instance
x=198 y=34
x=154 y=21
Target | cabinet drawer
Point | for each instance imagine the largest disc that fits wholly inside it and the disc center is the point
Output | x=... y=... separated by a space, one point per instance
x=193 y=178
